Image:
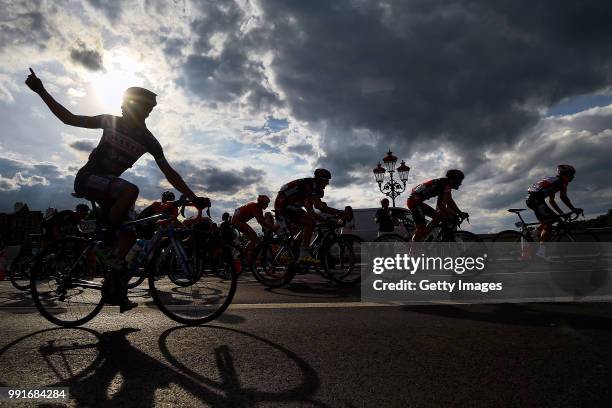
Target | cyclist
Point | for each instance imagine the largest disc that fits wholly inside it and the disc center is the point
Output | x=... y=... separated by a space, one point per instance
x=64 y=223
x=247 y=212
x=548 y=188
x=124 y=140
x=297 y=195
x=147 y=230
x=445 y=206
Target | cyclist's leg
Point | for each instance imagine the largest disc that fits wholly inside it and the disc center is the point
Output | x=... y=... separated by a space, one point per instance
x=248 y=232
x=545 y=215
x=419 y=210
x=118 y=196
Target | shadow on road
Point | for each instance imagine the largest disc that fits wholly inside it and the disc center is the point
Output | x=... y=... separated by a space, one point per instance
x=516 y=314
x=322 y=290
x=105 y=369
x=19 y=301
x=229 y=379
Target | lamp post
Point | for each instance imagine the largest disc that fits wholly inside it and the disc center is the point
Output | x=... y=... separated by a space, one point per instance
x=391 y=188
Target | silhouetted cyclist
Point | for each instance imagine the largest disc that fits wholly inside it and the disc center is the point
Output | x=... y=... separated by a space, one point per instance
x=124 y=140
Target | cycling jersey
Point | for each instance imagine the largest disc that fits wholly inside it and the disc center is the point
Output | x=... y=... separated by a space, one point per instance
x=247 y=212
x=296 y=192
x=429 y=189
x=547 y=187
x=121 y=145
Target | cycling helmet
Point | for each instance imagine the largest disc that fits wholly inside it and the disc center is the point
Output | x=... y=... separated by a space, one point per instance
x=566 y=170
x=167 y=196
x=140 y=95
x=263 y=199
x=455 y=175
x=82 y=208
x=323 y=174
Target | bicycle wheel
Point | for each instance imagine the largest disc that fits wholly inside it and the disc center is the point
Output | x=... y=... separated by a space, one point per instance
x=137 y=278
x=273 y=263
x=65 y=287
x=467 y=245
x=391 y=238
x=512 y=246
x=190 y=292
x=584 y=246
x=339 y=261
x=20 y=271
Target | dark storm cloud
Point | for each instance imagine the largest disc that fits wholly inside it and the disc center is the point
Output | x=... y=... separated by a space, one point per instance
x=111 y=9
x=233 y=73
x=83 y=145
x=87 y=57
x=214 y=180
x=209 y=180
x=470 y=75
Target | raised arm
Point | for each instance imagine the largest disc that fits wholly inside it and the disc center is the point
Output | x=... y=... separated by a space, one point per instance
x=63 y=114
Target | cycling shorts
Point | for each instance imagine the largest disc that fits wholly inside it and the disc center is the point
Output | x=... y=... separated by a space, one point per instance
x=419 y=210
x=99 y=188
x=543 y=212
x=292 y=214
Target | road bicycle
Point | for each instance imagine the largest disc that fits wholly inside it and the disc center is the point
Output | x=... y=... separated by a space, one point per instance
x=519 y=243
x=275 y=260
x=66 y=281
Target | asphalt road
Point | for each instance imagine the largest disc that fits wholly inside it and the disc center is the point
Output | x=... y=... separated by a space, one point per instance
x=313 y=345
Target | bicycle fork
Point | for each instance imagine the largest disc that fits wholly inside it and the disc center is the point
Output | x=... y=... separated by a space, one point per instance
x=180 y=252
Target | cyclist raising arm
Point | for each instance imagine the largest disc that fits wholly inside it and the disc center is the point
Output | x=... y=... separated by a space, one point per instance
x=124 y=140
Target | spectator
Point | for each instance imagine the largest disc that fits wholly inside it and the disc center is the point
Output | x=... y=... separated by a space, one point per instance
x=384 y=218
x=270 y=221
x=349 y=217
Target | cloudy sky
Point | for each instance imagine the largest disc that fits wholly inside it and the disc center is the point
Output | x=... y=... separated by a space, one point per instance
x=254 y=93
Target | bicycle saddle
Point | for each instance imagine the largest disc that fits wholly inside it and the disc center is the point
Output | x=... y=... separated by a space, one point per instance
x=516 y=210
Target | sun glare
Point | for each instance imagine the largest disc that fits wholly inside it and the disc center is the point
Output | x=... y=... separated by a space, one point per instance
x=120 y=72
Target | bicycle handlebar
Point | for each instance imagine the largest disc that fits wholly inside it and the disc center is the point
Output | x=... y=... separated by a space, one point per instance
x=570 y=216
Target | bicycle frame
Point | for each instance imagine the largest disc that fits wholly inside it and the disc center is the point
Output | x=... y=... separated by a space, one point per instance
x=166 y=230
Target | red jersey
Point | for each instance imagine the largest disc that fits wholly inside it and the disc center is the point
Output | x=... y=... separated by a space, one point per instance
x=247 y=212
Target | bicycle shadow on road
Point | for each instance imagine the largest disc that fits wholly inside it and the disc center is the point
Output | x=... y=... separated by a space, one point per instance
x=238 y=380
x=516 y=314
x=105 y=369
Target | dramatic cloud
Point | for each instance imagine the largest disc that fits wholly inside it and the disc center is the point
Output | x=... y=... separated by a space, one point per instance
x=89 y=58
x=85 y=146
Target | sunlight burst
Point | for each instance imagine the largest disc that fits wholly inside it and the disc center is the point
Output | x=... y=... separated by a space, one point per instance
x=121 y=71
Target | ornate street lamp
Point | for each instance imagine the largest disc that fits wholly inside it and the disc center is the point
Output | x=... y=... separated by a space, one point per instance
x=391 y=188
